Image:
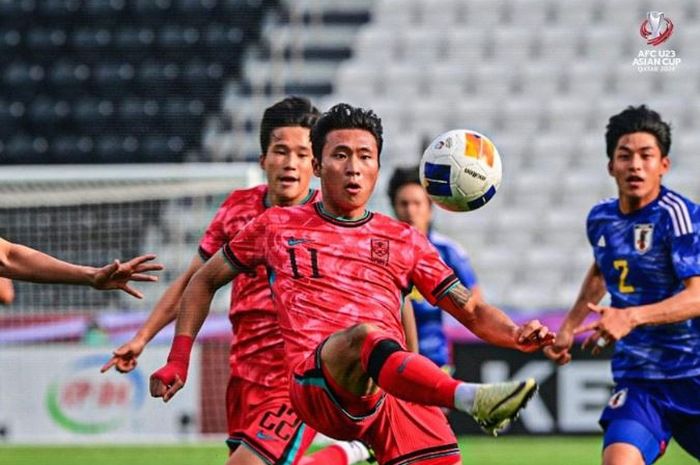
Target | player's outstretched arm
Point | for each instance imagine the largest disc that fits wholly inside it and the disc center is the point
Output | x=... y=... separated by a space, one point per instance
x=614 y=323
x=491 y=324
x=592 y=290
x=194 y=308
x=26 y=264
x=165 y=311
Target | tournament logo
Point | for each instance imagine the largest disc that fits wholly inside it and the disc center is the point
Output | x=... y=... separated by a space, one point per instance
x=656 y=29
x=380 y=251
x=84 y=401
x=618 y=399
x=643 y=234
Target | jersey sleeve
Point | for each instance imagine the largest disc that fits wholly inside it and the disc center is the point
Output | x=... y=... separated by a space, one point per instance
x=247 y=249
x=430 y=274
x=215 y=235
x=685 y=245
x=459 y=261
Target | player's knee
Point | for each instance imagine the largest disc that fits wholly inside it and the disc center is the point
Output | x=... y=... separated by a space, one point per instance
x=623 y=454
x=358 y=333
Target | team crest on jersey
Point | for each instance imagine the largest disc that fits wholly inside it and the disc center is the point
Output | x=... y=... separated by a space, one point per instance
x=643 y=234
x=380 y=251
x=618 y=399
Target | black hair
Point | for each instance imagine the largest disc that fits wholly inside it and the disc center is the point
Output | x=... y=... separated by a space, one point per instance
x=292 y=111
x=400 y=178
x=345 y=116
x=637 y=119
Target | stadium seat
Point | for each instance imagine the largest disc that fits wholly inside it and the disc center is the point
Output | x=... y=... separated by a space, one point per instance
x=573 y=13
x=586 y=79
x=541 y=80
x=521 y=114
x=448 y=78
x=560 y=43
x=568 y=115
x=532 y=14
x=467 y=46
x=422 y=45
x=491 y=79
x=605 y=44
x=512 y=45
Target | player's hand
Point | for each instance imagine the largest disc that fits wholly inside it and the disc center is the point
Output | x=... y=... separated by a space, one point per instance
x=117 y=275
x=168 y=380
x=613 y=325
x=124 y=358
x=533 y=336
x=559 y=351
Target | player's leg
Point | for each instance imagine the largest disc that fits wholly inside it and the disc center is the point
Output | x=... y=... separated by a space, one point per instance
x=362 y=355
x=338 y=453
x=262 y=426
x=636 y=431
x=685 y=419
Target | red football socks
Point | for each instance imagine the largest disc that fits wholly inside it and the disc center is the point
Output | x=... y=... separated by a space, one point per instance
x=407 y=375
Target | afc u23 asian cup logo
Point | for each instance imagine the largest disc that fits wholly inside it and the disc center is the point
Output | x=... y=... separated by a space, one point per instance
x=656 y=29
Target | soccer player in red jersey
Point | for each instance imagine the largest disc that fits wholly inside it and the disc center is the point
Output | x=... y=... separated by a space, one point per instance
x=23 y=263
x=338 y=274
x=259 y=413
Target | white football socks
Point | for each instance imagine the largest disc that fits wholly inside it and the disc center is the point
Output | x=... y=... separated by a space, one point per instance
x=354 y=450
x=464 y=396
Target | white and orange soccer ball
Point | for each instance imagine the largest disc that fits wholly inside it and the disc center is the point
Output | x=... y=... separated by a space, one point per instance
x=461 y=170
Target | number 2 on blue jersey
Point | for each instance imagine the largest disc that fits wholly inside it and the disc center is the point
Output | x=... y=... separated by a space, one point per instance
x=624 y=269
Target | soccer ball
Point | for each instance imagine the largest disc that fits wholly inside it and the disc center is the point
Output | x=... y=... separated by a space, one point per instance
x=461 y=170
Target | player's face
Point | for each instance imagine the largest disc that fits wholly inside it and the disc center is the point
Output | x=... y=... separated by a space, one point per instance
x=637 y=166
x=412 y=206
x=287 y=164
x=349 y=169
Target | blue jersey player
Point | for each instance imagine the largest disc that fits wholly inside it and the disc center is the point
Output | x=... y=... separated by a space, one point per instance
x=412 y=205
x=646 y=245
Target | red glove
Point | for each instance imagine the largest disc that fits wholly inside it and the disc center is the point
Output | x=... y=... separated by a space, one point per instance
x=171 y=378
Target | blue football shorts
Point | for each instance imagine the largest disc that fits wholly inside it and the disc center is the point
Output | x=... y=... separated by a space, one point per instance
x=648 y=413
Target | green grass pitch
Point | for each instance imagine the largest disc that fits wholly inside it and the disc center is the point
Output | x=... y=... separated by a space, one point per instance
x=530 y=450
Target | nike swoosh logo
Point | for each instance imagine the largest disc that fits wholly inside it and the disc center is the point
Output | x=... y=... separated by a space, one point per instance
x=402 y=367
x=292 y=242
x=265 y=437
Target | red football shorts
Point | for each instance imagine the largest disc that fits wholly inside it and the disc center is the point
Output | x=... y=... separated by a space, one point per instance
x=400 y=432
x=262 y=419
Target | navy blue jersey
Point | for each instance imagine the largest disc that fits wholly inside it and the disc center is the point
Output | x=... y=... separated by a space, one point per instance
x=432 y=342
x=644 y=257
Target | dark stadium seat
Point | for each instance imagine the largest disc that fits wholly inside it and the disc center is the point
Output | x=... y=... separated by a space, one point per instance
x=23 y=149
x=140 y=74
x=72 y=149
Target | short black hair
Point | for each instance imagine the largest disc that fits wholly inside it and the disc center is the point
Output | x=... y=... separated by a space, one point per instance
x=345 y=116
x=638 y=119
x=400 y=178
x=291 y=111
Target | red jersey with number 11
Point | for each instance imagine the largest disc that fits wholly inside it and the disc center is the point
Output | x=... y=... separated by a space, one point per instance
x=328 y=274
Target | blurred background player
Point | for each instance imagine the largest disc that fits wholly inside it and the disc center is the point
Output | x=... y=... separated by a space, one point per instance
x=339 y=272
x=257 y=388
x=26 y=264
x=412 y=205
x=647 y=256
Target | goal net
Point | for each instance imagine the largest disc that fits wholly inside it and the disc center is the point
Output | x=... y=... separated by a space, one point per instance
x=92 y=215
